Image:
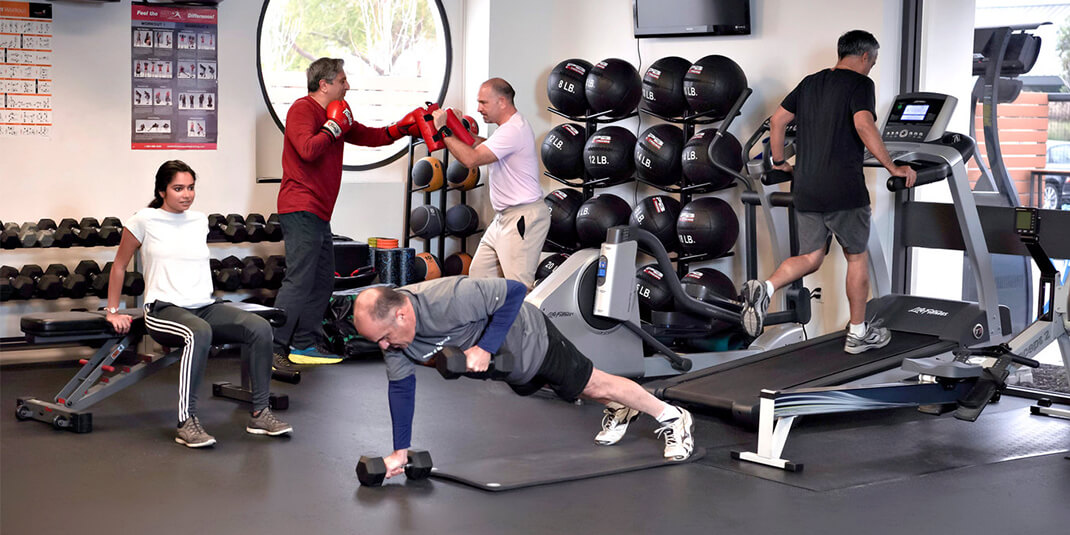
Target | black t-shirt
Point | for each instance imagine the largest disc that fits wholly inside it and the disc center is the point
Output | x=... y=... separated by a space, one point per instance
x=828 y=163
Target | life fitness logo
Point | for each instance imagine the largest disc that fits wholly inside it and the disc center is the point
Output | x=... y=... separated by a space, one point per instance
x=928 y=311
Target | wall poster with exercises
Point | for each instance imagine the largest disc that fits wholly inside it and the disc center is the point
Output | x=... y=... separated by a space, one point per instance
x=25 y=69
x=175 y=73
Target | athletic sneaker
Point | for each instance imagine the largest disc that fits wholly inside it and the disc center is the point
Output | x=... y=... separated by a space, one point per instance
x=876 y=336
x=313 y=355
x=191 y=434
x=280 y=362
x=678 y=440
x=267 y=424
x=615 y=423
x=755 y=303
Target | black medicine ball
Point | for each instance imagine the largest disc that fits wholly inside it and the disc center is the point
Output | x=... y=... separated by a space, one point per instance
x=462 y=220
x=566 y=87
x=706 y=284
x=426 y=221
x=597 y=215
x=713 y=84
x=548 y=265
x=663 y=86
x=653 y=290
x=707 y=225
x=697 y=166
x=564 y=204
x=657 y=215
x=613 y=84
x=657 y=154
x=608 y=154
x=562 y=150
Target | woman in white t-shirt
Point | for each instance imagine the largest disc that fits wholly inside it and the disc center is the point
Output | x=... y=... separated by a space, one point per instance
x=179 y=307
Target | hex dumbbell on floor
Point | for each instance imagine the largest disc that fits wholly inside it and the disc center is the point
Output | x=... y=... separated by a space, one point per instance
x=371 y=471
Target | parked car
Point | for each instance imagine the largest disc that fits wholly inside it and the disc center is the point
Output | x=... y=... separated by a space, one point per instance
x=1056 y=192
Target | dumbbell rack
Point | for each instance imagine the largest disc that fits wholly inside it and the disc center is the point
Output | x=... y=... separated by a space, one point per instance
x=446 y=188
x=686 y=190
x=586 y=184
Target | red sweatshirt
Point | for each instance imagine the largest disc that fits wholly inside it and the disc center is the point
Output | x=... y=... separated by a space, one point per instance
x=312 y=160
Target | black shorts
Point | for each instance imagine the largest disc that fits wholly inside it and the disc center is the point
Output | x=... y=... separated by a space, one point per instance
x=564 y=369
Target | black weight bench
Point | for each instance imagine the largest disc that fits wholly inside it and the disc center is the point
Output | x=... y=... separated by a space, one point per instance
x=100 y=376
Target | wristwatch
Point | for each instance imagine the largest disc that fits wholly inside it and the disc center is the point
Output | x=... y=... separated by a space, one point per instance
x=112 y=310
x=779 y=162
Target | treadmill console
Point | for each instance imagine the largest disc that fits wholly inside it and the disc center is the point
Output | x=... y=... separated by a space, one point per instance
x=918 y=117
x=1026 y=221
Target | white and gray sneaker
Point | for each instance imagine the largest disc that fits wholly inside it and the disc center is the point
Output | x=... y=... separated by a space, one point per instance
x=677 y=433
x=876 y=336
x=755 y=303
x=615 y=423
x=267 y=424
x=193 y=435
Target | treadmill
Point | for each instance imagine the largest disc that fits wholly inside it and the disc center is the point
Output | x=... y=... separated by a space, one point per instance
x=914 y=133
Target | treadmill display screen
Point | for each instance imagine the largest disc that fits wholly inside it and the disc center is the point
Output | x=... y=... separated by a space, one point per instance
x=914 y=112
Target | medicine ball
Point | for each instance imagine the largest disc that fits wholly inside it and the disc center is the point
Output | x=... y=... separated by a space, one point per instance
x=458 y=264
x=657 y=154
x=657 y=215
x=426 y=267
x=562 y=150
x=548 y=265
x=608 y=154
x=566 y=87
x=461 y=177
x=427 y=174
x=696 y=163
x=597 y=215
x=713 y=84
x=426 y=221
x=613 y=84
x=462 y=220
x=663 y=87
x=703 y=283
x=564 y=204
x=707 y=225
x=653 y=290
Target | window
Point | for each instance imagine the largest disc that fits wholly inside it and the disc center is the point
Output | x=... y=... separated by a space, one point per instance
x=397 y=56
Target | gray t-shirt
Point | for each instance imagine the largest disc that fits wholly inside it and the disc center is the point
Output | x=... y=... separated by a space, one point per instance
x=455 y=311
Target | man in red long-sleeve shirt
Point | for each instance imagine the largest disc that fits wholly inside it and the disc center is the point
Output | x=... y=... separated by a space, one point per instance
x=316 y=128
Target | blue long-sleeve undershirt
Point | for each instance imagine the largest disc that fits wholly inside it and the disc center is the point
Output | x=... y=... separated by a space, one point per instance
x=503 y=318
x=402 y=396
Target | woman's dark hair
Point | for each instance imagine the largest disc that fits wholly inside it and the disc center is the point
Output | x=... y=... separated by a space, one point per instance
x=164 y=175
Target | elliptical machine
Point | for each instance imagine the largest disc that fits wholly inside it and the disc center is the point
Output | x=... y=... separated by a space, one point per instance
x=616 y=344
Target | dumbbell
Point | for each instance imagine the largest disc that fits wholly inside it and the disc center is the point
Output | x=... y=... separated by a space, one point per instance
x=273 y=227
x=274 y=271
x=96 y=283
x=86 y=237
x=251 y=275
x=109 y=233
x=451 y=363
x=254 y=226
x=9 y=238
x=72 y=285
x=371 y=471
x=61 y=237
x=28 y=234
x=33 y=272
x=50 y=285
x=220 y=227
x=13 y=285
x=224 y=278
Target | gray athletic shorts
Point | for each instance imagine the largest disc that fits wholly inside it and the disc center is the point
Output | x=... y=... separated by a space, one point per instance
x=851 y=228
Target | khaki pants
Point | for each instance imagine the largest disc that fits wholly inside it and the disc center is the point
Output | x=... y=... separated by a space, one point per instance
x=511 y=245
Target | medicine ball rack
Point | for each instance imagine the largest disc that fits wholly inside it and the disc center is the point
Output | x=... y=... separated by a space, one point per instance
x=445 y=189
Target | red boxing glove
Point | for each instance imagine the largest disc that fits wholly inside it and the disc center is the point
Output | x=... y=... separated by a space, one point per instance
x=473 y=127
x=406 y=126
x=339 y=119
x=458 y=130
x=426 y=124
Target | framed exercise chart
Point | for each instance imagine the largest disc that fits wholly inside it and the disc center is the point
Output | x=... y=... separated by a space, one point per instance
x=174 y=77
x=25 y=69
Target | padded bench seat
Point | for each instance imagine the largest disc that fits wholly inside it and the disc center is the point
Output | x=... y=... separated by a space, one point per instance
x=94 y=323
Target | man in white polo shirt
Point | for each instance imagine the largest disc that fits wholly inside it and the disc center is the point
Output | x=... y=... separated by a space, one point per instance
x=511 y=244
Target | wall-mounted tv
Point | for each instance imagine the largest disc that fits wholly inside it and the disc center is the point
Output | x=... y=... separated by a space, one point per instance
x=670 y=18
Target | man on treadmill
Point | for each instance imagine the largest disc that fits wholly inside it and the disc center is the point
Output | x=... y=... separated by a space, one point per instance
x=833 y=113
x=486 y=317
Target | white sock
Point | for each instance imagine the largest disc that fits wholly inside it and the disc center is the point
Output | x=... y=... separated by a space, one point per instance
x=669 y=413
x=769 y=287
x=858 y=329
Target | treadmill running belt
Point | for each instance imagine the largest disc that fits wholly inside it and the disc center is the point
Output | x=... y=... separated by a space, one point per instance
x=735 y=386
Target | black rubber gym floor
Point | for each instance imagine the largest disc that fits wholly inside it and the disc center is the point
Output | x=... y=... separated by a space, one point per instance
x=889 y=472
